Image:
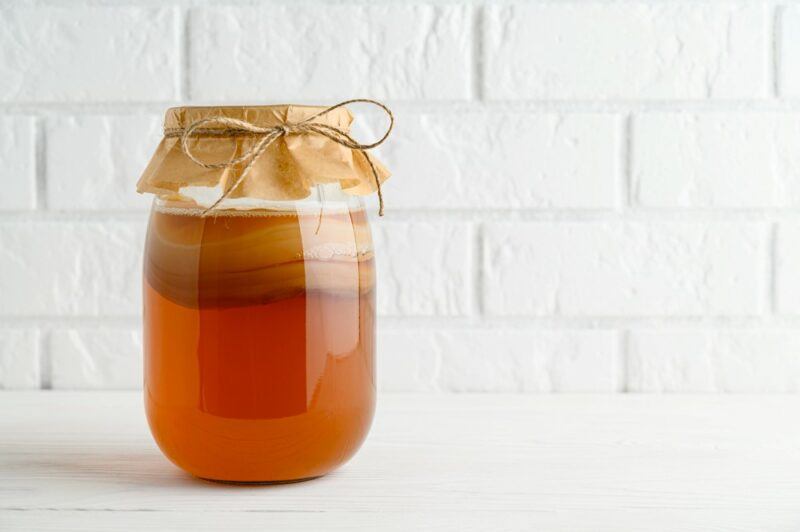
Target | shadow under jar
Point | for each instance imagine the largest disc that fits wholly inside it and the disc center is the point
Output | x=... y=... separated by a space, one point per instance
x=260 y=335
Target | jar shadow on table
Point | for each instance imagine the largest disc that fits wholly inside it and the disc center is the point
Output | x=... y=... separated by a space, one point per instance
x=136 y=467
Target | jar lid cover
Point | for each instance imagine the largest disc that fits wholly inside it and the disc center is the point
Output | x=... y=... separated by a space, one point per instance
x=273 y=152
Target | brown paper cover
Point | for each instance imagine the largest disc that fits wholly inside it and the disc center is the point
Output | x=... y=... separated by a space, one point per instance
x=287 y=170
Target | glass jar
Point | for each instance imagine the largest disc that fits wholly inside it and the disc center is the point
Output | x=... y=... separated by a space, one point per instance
x=260 y=335
x=259 y=290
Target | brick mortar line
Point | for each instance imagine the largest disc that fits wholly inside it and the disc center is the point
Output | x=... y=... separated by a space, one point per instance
x=477 y=51
x=411 y=216
x=45 y=360
x=184 y=54
x=476 y=269
x=772 y=272
x=285 y=3
x=774 y=50
x=767 y=270
x=333 y=3
x=626 y=163
x=594 y=322
x=486 y=323
x=67 y=322
x=622 y=361
x=40 y=165
x=444 y=107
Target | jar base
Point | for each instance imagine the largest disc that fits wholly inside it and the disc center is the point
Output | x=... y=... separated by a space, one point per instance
x=260 y=482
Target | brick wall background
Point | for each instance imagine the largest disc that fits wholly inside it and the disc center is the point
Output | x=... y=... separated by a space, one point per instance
x=613 y=186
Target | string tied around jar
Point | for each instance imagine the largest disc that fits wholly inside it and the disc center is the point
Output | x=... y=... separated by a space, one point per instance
x=233 y=126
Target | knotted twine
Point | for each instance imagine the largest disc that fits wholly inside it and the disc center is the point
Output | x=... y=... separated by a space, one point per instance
x=235 y=127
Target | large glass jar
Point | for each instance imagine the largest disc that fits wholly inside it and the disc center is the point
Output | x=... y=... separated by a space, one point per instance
x=259 y=328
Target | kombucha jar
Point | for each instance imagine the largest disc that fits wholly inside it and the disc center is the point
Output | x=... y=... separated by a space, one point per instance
x=259 y=320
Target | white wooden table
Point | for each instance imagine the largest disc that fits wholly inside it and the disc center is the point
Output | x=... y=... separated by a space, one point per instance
x=85 y=461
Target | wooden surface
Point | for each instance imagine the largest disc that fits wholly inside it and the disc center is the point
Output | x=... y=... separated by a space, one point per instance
x=85 y=461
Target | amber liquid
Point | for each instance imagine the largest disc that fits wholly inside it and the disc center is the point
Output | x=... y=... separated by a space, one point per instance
x=259 y=341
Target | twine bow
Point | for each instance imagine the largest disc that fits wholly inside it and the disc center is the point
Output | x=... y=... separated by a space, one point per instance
x=271 y=134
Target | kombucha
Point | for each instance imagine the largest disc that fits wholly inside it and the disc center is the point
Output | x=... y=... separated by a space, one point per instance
x=259 y=340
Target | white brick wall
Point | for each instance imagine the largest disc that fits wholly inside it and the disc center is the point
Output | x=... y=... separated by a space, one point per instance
x=120 y=147
x=623 y=269
x=789 y=43
x=92 y=359
x=716 y=159
x=54 y=54
x=532 y=160
x=19 y=359
x=587 y=196
x=639 y=50
x=392 y=51
x=714 y=361
x=71 y=268
x=424 y=268
x=787 y=268
x=527 y=361
x=18 y=171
